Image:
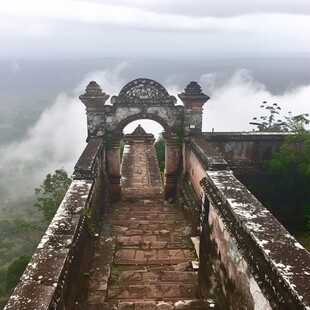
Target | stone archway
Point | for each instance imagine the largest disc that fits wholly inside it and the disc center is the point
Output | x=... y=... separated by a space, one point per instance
x=142 y=99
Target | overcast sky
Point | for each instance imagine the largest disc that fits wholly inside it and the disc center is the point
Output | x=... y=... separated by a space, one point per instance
x=171 y=29
x=162 y=28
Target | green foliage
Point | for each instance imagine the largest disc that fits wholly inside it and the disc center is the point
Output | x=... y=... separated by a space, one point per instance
x=29 y=232
x=15 y=271
x=268 y=122
x=295 y=152
x=87 y=215
x=273 y=122
x=115 y=272
x=51 y=193
x=121 y=148
x=179 y=134
x=160 y=147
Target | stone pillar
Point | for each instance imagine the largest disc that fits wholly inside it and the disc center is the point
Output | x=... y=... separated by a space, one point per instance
x=172 y=162
x=193 y=100
x=113 y=167
x=94 y=100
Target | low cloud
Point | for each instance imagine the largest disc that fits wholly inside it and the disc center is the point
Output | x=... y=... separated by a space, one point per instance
x=55 y=141
x=58 y=138
x=236 y=101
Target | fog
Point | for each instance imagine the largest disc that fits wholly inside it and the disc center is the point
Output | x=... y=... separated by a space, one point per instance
x=58 y=136
x=234 y=104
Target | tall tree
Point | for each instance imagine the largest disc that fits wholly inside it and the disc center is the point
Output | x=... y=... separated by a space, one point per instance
x=295 y=151
x=51 y=192
x=274 y=122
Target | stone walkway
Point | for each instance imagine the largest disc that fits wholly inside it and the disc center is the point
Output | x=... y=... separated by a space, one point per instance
x=144 y=257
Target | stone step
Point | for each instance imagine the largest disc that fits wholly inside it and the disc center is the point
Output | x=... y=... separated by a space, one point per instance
x=181 y=267
x=146 y=215
x=149 y=305
x=125 y=231
x=150 y=242
x=132 y=220
x=152 y=209
x=142 y=205
x=153 y=256
x=155 y=292
x=143 y=277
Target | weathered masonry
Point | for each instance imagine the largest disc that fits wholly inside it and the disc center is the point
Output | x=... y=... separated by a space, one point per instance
x=248 y=260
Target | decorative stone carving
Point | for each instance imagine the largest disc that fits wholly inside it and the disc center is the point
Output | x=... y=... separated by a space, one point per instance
x=94 y=99
x=143 y=91
x=193 y=96
x=193 y=100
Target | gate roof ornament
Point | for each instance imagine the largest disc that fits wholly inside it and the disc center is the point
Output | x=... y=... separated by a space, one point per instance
x=193 y=96
x=94 y=98
x=143 y=92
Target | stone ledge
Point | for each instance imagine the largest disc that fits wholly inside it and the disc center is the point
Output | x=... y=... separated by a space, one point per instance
x=278 y=262
x=246 y=136
x=86 y=166
x=45 y=276
x=208 y=156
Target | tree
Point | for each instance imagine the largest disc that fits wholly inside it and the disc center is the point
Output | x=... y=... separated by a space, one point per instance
x=51 y=193
x=29 y=232
x=160 y=146
x=15 y=270
x=269 y=123
x=294 y=154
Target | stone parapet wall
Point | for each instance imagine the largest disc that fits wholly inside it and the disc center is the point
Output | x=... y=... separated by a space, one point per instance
x=245 y=151
x=55 y=276
x=247 y=258
x=264 y=249
x=50 y=279
x=89 y=162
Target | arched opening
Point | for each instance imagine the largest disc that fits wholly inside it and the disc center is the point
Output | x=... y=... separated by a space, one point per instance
x=139 y=169
x=172 y=152
x=148 y=125
x=143 y=99
x=157 y=130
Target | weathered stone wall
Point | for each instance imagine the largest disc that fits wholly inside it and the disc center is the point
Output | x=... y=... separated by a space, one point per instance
x=247 y=259
x=55 y=276
x=245 y=152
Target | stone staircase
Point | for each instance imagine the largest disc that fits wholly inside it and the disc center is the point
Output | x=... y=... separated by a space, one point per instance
x=144 y=259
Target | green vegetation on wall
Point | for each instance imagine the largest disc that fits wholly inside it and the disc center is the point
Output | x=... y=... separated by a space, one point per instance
x=160 y=146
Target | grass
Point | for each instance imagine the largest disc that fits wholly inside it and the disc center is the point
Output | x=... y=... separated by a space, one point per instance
x=115 y=273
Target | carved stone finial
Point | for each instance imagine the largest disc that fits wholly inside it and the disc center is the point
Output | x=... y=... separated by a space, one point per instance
x=93 y=88
x=94 y=98
x=193 y=96
x=193 y=88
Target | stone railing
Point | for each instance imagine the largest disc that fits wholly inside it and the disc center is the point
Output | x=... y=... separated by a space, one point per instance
x=56 y=273
x=247 y=258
